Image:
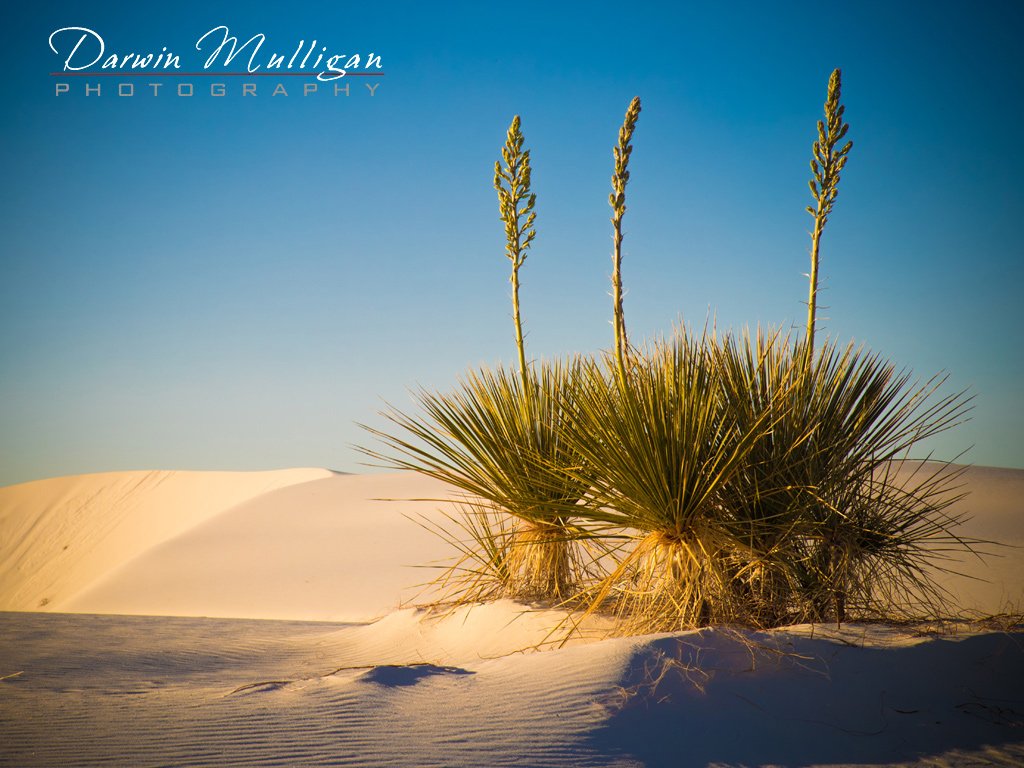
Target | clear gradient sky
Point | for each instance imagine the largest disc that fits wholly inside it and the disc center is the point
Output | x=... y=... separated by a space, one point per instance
x=233 y=282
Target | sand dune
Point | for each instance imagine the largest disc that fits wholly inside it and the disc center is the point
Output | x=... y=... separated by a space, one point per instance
x=343 y=674
x=995 y=506
x=315 y=545
x=58 y=536
x=328 y=549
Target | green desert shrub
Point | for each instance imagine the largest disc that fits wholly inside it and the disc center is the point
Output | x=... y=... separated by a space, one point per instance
x=853 y=527
x=504 y=447
x=760 y=491
x=759 y=480
x=661 y=451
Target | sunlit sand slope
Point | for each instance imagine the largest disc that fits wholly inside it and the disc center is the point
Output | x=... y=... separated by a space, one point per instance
x=59 y=536
x=340 y=548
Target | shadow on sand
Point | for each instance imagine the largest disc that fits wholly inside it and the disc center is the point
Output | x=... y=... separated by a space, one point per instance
x=721 y=698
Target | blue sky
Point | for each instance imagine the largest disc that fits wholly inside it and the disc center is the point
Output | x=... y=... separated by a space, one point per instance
x=233 y=282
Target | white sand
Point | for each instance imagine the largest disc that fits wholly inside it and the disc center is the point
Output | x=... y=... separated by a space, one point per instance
x=324 y=550
x=398 y=686
x=60 y=535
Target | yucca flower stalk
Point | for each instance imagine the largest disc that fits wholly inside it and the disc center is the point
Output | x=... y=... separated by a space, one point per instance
x=515 y=206
x=617 y=200
x=499 y=439
x=826 y=164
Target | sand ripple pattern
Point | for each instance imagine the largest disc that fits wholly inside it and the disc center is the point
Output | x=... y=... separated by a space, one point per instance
x=135 y=691
x=86 y=690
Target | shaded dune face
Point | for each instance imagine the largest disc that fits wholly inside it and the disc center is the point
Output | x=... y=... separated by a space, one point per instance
x=871 y=696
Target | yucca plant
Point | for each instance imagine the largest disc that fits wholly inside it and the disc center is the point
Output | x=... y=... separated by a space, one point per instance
x=662 y=453
x=874 y=538
x=505 y=448
x=757 y=479
x=758 y=383
x=820 y=490
x=883 y=539
x=499 y=439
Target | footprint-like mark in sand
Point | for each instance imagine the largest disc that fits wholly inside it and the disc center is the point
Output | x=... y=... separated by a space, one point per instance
x=394 y=675
x=385 y=675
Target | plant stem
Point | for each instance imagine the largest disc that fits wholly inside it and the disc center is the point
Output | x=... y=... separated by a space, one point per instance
x=515 y=206
x=619 y=321
x=520 y=345
x=826 y=165
x=617 y=200
x=812 y=296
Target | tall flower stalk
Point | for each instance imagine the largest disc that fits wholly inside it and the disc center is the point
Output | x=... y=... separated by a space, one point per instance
x=826 y=166
x=499 y=439
x=753 y=480
x=617 y=200
x=515 y=206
